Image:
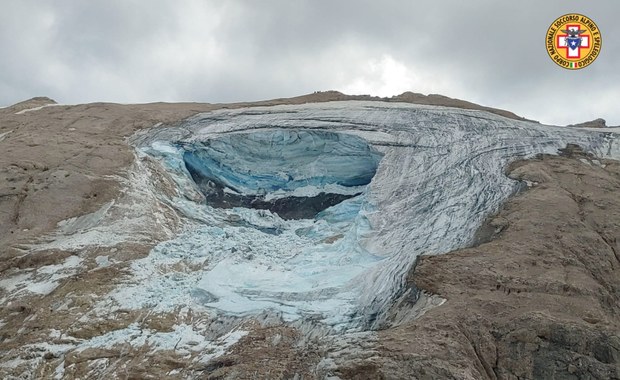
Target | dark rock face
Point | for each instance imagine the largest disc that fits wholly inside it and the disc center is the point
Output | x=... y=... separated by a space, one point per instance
x=596 y=123
x=571 y=352
x=287 y=208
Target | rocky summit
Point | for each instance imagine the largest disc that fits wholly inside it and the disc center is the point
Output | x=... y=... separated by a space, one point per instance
x=320 y=237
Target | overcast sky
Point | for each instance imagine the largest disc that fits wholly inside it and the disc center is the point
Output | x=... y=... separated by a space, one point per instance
x=486 y=51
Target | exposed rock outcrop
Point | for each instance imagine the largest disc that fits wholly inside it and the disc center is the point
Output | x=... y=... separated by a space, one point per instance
x=36 y=102
x=440 y=100
x=596 y=123
x=540 y=301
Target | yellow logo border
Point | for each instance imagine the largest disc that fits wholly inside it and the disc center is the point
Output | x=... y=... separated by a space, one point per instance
x=566 y=62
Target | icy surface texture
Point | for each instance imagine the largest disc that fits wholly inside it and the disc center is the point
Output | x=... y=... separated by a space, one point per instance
x=268 y=161
x=427 y=177
x=295 y=174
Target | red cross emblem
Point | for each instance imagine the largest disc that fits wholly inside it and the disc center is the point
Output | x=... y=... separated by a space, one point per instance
x=563 y=42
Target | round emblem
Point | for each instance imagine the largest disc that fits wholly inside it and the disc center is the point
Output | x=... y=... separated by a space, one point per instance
x=573 y=41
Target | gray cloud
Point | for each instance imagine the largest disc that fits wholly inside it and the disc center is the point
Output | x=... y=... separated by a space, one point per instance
x=487 y=51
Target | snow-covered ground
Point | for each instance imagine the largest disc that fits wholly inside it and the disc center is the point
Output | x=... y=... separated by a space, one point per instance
x=39 y=281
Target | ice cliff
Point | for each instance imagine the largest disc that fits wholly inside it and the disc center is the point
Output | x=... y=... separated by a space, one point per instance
x=316 y=212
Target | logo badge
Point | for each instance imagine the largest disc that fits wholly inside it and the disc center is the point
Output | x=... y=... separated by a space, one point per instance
x=573 y=41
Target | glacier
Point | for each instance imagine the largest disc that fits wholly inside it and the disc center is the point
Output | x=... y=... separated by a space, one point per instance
x=316 y=212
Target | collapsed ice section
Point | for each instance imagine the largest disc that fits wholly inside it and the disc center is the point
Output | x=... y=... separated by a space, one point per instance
x=269 y=161
x=295 y=174
x=277 y=224
x=421 y=180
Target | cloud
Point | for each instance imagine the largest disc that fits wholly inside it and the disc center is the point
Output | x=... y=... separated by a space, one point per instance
x=484 y=51
x=385 y=76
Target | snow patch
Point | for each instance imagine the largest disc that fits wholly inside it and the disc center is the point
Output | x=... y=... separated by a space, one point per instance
x=137 y=216
x=184 y=340
x=43 y=280
x=102 y=261
x=37 y=108
x=3 y=135
x=80 y=223
x=11 y=284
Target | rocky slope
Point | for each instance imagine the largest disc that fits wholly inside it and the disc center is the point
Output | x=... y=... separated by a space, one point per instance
x=541 y=300
x=596 y=123
x=537 y=297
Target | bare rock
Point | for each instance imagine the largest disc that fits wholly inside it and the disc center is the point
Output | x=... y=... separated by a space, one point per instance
x=540 y=301
x=596 y=123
